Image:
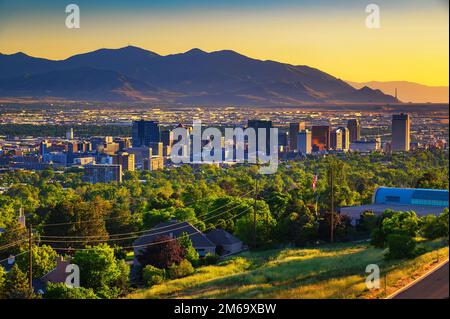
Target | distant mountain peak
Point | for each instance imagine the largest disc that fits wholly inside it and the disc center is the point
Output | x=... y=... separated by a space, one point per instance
x=195 y=51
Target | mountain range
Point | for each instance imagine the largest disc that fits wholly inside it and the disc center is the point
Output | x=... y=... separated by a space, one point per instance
x=194 y=77
x=408 y=91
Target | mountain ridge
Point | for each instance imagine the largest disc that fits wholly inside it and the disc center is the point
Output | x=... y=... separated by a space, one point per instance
x=196 y=77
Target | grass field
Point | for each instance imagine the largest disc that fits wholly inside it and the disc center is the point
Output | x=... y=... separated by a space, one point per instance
x=336 y=271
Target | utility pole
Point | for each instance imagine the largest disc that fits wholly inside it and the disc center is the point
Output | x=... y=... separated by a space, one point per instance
x=30 y=257
x=254 y=210
x=332 y=204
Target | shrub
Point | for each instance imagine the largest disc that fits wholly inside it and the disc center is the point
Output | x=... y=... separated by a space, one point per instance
x=378 y=238
x=61 y=291
x=209 y=259
x=184 y=269
x=433 y=227
x=152 y=275
x=190 y=253
x=400 y=246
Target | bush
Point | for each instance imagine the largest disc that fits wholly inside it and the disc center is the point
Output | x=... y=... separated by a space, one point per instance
x=152 y=275
x=378 y=238
x=190 y=253
x=61 y=291
x=209 y=259
x=400 y=246
x=184 y=269
x=433 y=227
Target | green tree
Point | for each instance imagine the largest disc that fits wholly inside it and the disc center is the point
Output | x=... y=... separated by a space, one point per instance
x=190 y=253
x=162 y=253
x=16 y=285
x=44 y=260
x=100 y=270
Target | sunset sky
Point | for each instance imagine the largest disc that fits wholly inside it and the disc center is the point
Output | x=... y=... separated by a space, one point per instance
x=412 y=44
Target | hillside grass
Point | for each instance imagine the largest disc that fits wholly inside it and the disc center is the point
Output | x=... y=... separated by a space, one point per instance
x=335 y=272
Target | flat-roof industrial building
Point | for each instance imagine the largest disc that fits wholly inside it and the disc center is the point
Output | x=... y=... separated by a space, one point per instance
x=421 y=201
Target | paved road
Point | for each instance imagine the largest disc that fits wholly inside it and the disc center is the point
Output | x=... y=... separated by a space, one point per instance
x=433 y=286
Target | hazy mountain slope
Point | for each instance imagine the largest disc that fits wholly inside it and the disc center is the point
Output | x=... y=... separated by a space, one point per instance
x=409 y=91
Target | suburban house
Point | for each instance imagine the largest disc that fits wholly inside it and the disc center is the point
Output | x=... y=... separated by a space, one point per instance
x=226 y=243
x=421 y=201
x=175 y=229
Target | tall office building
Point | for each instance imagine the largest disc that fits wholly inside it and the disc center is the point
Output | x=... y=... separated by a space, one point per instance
x=304 y=142
x=126 y=160
x=294 y=129
x=345 y=138
x=321 y=136
x=354 y=128
x=400 y=132
x=167 y=137
x=261 y=124
x=145 y=133
x=337 y=139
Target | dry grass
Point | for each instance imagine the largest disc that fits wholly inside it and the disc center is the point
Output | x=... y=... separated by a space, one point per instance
x=327 y=272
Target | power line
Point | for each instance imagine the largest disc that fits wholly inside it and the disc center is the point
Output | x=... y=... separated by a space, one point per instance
x=12 y=244
x=119 y=217
x=157 y=228
x=24 y=252
x=153 y=243
x=143 y=231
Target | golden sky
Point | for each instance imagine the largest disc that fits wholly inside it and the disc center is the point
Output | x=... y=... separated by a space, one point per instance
x=411 y=45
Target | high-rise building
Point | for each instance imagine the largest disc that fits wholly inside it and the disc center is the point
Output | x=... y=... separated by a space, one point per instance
x=337 y=139
x=43 y=147
x=167 y=137
x=294 y=129
x=126 y=160
x=345 y=138
x=354 y=128
x=400 y=132
x=261 y=124
x=321 y=138
x=145 y=133
x=304 y=142
x=157 y=149
x=103 y=173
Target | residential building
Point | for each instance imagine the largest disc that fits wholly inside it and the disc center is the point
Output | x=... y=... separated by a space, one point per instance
x=175 y=229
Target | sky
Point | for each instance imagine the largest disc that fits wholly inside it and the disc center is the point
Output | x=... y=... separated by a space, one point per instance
x=412 y=43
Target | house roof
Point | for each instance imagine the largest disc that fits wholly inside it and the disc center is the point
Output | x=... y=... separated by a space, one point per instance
x=221 y=237
x=175 y=229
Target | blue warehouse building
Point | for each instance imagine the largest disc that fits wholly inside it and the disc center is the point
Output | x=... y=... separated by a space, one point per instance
x=421 y=201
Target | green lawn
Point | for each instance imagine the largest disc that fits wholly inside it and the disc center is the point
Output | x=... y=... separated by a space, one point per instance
x=336 y=271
